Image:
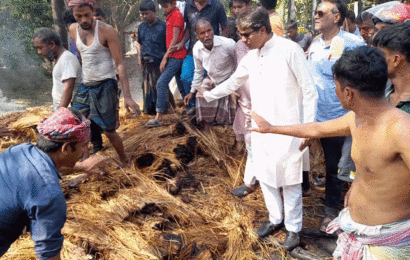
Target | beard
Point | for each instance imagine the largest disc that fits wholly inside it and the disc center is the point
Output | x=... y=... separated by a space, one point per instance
x=85 y=26
x=51 y=56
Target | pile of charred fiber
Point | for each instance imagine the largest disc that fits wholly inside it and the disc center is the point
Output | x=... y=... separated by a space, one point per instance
x=173 y=202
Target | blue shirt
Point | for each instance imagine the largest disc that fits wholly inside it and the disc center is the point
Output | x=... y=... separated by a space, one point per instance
x=30 y=195
x=328 y=106
x=153 y=40
x=213 y=12
x=73 y=48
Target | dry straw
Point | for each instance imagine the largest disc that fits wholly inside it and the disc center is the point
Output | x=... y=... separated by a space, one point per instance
x=177 y=206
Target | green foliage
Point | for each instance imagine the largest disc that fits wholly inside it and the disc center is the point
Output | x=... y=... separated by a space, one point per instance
x=19 y=19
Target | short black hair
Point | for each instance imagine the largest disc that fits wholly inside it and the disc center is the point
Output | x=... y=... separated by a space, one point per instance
x=350 y=15
x=47 y=35
x=162 y=2
x=82 y=5
x=242 y=1
x=269 y=4
x=364 y=69
x=147 y=5
x=100 y=12
x=68 y=17
x=292 y=24
x=395 y=38
x=341 y=8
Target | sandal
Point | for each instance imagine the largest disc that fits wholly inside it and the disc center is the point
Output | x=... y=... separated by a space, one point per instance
x=326 y=221
x=241 y=191
x=153 y=123
x=319 y=185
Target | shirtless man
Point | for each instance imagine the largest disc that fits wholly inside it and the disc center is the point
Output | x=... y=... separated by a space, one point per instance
x=378 y=203
x=97 y=96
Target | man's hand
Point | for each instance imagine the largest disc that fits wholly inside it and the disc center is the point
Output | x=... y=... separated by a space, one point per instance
x=130 y=103
x=188 y=98
x=89 y=165
x=263 y=125
x=305 y=143
x=162 y=65
x=176 y=47
x=201 y=90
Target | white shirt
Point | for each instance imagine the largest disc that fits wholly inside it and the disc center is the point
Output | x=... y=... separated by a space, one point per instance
x=283 y=92
x=219 y=62
x=67 y=67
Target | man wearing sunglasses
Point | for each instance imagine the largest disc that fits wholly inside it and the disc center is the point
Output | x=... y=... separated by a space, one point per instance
x=323 y=54
x=282 y=89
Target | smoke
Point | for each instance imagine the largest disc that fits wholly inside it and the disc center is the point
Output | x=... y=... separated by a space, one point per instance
x=22 y=82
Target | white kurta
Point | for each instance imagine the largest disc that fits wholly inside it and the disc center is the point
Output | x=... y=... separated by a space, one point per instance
x=282 y=92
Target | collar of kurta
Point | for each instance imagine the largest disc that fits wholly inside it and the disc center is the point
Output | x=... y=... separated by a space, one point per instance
x=217 y=42
x=268 y=44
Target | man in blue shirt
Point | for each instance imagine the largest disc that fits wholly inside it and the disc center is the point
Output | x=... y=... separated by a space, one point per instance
x=151 y=45
x=323 y=54
x=31 y=195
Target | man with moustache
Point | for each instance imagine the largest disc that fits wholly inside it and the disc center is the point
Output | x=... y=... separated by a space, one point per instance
x=216 y=55
x=67 y=69
x=97 y=97
x=323 y=54
x=285 y=94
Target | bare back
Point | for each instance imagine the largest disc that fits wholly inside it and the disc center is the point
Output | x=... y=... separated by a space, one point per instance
x=381 y=151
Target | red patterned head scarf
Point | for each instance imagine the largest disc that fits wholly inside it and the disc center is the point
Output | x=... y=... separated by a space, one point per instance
x=64 y=126
x=74 y=3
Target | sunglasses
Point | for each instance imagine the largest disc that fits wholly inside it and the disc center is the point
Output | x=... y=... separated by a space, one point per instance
x=320 y=14
x=247 y=35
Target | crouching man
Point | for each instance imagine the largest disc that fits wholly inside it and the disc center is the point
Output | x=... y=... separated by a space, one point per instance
x=31 y=195
x=375 y=223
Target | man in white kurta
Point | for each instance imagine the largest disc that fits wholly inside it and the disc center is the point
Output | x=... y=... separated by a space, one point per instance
x=215 y=55
x=283 y=91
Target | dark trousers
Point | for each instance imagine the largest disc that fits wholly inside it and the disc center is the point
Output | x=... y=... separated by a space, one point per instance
x=332 y=148
x=306 y=182
x=96 y=137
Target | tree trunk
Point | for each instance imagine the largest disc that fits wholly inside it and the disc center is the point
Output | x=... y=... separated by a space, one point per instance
x=291 y=10
x=58 y=7
x=359 y=6
x=314 y=6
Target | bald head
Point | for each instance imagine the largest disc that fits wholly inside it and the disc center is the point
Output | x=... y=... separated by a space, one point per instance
x=202 y=23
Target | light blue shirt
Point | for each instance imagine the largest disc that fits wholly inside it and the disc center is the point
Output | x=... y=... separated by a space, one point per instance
x=328 y=106
x=30 y=195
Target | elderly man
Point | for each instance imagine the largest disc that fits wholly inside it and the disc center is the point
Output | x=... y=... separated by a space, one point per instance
x=213 y=11
x=216 y=55
x=323 y=54
x=284 y=95
x=31 y=195
x=366 y=28
x=67 y=69
x=101 y=55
